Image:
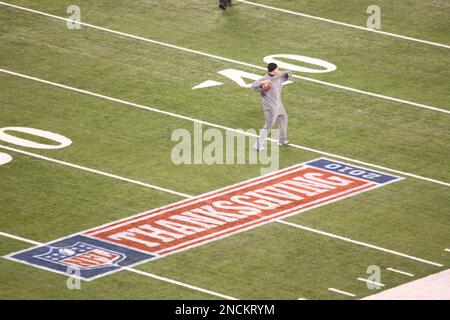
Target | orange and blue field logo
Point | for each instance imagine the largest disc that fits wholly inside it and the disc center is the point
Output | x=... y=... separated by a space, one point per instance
x=205 y=218
x=82 y=255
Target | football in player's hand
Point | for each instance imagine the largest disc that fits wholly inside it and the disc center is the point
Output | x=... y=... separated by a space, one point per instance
x=266 y=85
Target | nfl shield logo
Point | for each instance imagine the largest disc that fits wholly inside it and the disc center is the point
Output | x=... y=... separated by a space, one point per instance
x=82 y=255
x=93 y=258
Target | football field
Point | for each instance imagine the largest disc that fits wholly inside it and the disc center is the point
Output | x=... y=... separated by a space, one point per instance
x=88 y=112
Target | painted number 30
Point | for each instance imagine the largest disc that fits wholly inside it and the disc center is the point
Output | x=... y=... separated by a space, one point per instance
x=59 y=140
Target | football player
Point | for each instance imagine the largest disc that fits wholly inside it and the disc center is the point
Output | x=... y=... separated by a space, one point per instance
x=270 y=87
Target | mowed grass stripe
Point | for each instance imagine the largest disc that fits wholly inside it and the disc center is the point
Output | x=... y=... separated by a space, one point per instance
x=444 y=183
x=334 y=85
x=278 y=262
x=214 y=276
x=212 y=184
x=317 y=290
x=304 y=15
x=22 y=239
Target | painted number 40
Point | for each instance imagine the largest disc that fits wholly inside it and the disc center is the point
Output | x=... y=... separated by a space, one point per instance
x=59 y=140
x=298 y=64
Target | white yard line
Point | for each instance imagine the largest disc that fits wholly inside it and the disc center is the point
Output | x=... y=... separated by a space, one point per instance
x=448 y=250
x=8 y=235
x=432 y=287
x=106 y=174
x=342 y=292
x=364 y=244
x=402 y=101
x=146 y=274
x=370 y=282
x=345 y=24
x=140 y=106
x=400 y=272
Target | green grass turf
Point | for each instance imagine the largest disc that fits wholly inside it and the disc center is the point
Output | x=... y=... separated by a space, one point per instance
x=396 y=16
x=403 y=133
x=45 y=201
